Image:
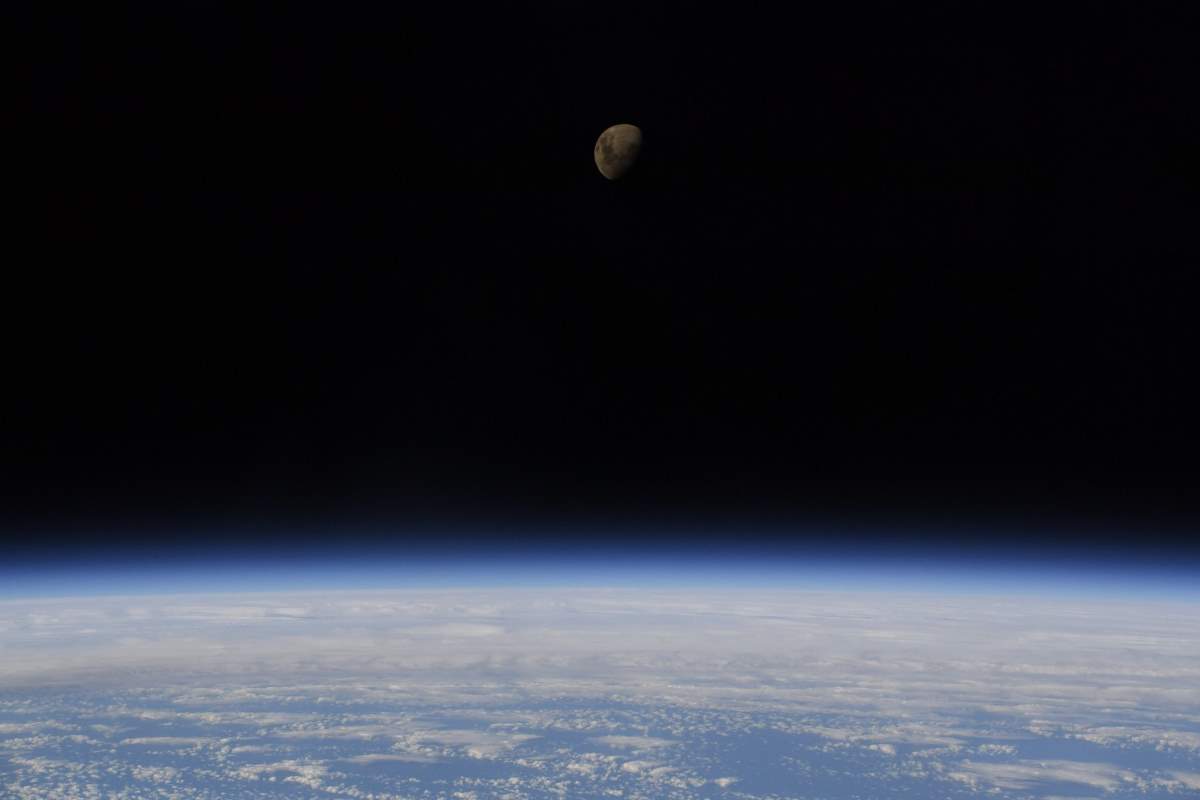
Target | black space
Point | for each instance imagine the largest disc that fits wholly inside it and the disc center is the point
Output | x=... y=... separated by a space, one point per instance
x=306 y=269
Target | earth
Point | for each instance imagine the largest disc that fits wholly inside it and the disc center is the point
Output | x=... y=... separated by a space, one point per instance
x=556 y=693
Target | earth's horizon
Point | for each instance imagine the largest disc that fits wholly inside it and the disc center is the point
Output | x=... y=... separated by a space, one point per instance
x=600 y=693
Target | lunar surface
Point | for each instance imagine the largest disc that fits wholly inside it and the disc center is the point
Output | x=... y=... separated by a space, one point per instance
x=617 y=149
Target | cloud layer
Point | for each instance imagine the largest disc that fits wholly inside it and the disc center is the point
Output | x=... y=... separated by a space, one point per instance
x=655 y=694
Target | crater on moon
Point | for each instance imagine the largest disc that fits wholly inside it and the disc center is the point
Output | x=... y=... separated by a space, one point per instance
x=617 y=149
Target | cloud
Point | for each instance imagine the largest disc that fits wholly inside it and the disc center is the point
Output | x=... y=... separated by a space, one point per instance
x=475 y=743
x=1159 y=738
x=857 y=675
x=155 y=774
x=1184 y=780
x=462 y=630
x=633 y=742
x=1028 y=775
x=306 y=773
x=169 y=741
x=375 y=758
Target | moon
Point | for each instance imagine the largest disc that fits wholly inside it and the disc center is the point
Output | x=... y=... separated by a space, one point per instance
x=617 y=149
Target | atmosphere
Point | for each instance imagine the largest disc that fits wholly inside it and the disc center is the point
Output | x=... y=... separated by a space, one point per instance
x=869 y=566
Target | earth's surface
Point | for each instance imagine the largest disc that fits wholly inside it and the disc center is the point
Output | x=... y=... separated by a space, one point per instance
x=598 y=694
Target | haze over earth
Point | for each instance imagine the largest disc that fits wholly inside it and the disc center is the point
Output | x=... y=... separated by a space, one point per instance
x=544 y=402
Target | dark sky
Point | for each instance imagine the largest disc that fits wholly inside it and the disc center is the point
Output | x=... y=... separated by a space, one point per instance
x=927 y=271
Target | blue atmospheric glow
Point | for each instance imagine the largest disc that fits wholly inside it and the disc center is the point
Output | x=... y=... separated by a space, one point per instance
x=752 y=566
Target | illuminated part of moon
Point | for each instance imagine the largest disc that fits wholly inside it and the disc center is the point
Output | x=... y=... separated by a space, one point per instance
x=617 y=149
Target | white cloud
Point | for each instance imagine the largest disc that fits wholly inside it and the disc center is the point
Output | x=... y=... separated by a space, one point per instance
x=309 y=773
x=475 y=743
x=155 y=774
x=1027 y=775
x=274 y=673
x=633 y=742
x=461 y=630
x=169 y=741
x=1184 y=780
x=375 y=758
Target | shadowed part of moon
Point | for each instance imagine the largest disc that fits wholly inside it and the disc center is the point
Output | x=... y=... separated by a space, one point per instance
x=617 y=149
